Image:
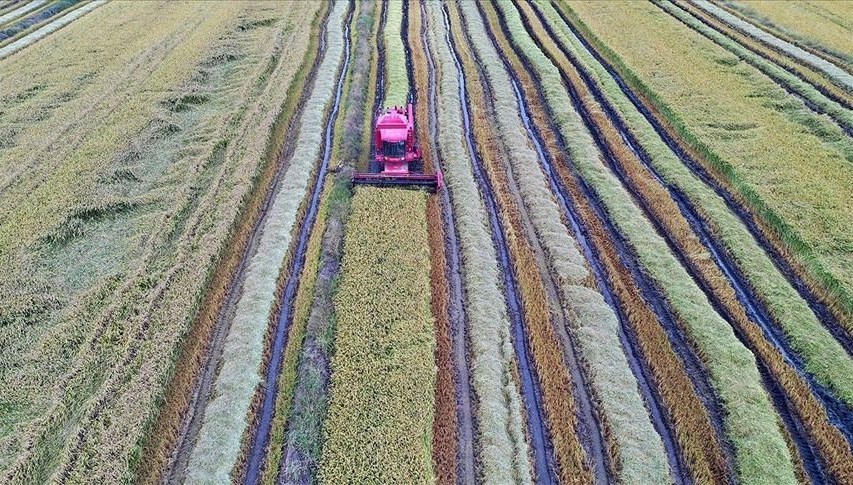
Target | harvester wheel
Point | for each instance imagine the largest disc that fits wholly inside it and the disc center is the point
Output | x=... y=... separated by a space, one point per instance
x=416 y=166
x=374 y=166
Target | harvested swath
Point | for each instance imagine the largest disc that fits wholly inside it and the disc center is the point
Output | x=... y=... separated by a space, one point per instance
x=218 y=442
x=47 y=29
x=396 y=79
x=729 y=159
x=554 y=378
x=593 y=323
x=752 y=425
x=695 y=433
x=662 y=209
x=836 y=74
x=445 y=439
x=816 y=92
x=35 y=19
x=379 y=422
x=824 y=357
x=502 y=449
x=802 y=24
x=10 y=14
x=116 y=349
x=159 y=456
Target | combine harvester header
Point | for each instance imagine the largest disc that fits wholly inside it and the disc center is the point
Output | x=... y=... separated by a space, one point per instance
x=397 y=160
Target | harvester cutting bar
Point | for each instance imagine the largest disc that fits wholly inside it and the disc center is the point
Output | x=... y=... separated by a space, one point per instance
x=431 y=182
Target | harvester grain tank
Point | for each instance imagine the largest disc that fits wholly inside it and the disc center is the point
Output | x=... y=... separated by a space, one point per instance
x=397 y=159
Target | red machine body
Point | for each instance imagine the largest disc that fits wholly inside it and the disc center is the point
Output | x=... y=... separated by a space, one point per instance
x=397 y=159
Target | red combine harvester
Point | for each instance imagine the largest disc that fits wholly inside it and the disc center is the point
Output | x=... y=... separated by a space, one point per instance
x=397 y=159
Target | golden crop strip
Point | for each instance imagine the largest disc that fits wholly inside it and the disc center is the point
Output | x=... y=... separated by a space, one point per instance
x=740 y=123
x=379 y=423
x=396 y=79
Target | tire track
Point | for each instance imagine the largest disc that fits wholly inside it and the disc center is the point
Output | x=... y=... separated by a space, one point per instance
x=260 y=435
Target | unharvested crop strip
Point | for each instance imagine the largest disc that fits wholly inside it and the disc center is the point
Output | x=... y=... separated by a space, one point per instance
x=705 y=327
x=797 y=261
x=679 y=235
x=453 y=444
x=502 y=447
x=704 y=455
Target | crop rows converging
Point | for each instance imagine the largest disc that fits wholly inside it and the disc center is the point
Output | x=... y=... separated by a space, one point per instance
x=637 y=267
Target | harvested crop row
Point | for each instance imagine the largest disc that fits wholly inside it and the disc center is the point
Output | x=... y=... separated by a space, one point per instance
x=824 y=357
x=553 y=373
x=218 y=442
x=379 y=423
x=396 y=79
x=836 y=74
x=36 y=19
x=591 y=322
x=805 y=232
x=502 y=449
x=302 y=359
x=194 y=369
x=27 y=39
x=813 y=27
x=107 y=357
x=761 y=450
x=445 y=437
x=694 y=431
x=661 y=208
x=12 y=12
x=818 y=93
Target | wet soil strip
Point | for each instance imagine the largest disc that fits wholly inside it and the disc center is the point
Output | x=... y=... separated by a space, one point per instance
x=190 y=425
x=466 y=424
x=818 y=306
x=270 y=390
x=543 y=456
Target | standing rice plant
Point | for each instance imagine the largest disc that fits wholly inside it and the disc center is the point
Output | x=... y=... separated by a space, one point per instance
x=752 y=424
x=503 y=450
x=381 y=408
x=218 y=441
x=592 y=322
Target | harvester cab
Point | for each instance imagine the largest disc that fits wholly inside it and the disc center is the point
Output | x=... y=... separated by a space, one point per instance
x=397 y=160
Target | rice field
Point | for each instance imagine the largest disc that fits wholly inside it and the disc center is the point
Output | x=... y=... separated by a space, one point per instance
x=637 y=268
